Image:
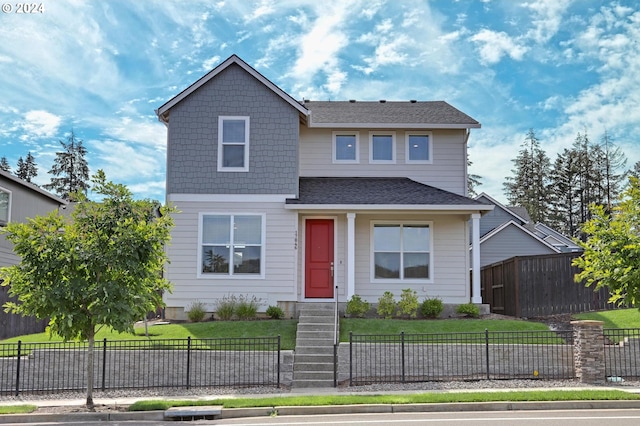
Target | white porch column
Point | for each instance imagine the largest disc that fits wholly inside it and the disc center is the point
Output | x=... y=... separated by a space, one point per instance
x=476 y=297
x=351 y=254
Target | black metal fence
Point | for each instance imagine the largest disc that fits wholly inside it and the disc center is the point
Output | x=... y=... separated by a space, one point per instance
x=487 y=355
x=622 y=354
x=128 y=364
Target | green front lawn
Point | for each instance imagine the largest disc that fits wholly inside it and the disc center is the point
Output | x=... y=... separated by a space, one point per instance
x=616 y=318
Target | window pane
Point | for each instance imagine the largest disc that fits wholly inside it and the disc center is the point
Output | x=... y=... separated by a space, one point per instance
x=382 y=146
x=215 y=229
x=418 y=147
x=416 y=265
x=387 y=265
x=233 y=131
x=233 y=155
x=386 y=238
x=415 y=238
x=4 y=206
x=345 y=147
x=246 y=260
x=215 y=259
x=247 y=230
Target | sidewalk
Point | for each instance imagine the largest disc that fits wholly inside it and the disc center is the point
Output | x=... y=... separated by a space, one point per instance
x=220 y=412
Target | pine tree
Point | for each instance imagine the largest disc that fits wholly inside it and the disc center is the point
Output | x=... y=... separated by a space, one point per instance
x=529 y=185
x=70 y=168
x=27 y=169
x=473 y=181
x=564 y=194
x=4 y=165
x=614 y=161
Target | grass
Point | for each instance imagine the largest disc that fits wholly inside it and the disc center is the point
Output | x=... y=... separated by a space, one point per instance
x=17 y=409
x=417 y=398
x=616 y=318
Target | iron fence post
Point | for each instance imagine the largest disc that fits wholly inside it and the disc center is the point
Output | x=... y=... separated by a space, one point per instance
x=188 y=360
x=18 y=368
x=402 y=354
x=486 y=347
x=278 y=361
x=351 y=358
x=104 y=362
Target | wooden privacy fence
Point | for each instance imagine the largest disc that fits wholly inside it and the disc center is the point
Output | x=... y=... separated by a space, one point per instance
x=533 y=286
x=12 y=325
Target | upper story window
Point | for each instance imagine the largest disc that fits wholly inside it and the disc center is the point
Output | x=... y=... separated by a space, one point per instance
x=233 y=144
x=418 y=147
x=345 y=147
x=401 y=251
x=5 y=201
x=232 y=245
x=382 y=147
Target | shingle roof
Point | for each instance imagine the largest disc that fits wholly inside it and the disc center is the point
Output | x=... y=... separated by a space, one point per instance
x=374 y=191
x=433 y=114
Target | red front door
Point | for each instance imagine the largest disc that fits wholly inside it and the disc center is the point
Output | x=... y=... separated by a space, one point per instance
x=319 y=258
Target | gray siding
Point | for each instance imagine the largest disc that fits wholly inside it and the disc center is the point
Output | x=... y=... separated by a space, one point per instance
x=494 y=218
x=508 y=243
x=447 y=172
x=193 y=139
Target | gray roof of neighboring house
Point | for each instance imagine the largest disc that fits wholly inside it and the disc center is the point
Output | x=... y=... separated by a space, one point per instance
x=375 y=191
x=411 y=114
x=32 y=187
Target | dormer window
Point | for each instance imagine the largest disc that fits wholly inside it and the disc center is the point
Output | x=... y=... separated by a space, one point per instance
x=345 y=147
x=233 y=144
x=418 y=147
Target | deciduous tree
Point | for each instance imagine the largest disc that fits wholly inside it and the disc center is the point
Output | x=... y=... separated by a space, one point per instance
x=101 y=267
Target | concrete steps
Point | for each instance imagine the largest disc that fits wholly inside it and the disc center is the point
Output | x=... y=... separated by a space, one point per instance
x=313 y=363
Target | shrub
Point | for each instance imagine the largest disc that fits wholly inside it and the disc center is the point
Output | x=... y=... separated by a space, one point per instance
x=196 y=311
x=225 y=308
x=357 y=307
x=468 y=309
x=408 y=304
x=386 y=305
x=431 y=308
x=247 y=307
x=275 y=312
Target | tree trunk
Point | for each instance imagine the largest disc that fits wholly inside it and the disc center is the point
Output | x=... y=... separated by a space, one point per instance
x=89 y=372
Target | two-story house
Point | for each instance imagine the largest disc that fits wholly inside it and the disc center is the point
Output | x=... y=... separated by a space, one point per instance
x=287 y=201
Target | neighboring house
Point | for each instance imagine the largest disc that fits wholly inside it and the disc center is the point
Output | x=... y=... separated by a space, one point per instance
x=506 y=232
x=20 y=200
x=284 y=200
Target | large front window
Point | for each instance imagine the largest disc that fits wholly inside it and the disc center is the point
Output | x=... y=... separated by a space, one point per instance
x=233 y=144
x=5 y=197
x=232 y=244
x=401 y=251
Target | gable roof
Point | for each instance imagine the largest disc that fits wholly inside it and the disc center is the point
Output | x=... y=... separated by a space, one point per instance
x=381 y=114
x=508 y=210
x=163 y=111
x=378 y=193
x=547 y=232
x=32 y=187
x=524 y=230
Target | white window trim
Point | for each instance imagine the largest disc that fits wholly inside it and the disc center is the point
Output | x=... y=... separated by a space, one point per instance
x=221 y=168
x=5 y=190
x=406 y=148
x=372 y=266
x=393 y=147
x=231 y=275
x=357 y=147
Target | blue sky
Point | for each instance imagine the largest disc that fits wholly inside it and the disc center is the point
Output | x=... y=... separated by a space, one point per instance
x=103 y=67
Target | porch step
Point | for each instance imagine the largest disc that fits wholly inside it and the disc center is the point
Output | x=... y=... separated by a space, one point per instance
x=313 y=365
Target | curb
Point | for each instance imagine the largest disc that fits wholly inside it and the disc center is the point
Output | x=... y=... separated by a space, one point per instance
x=229 y=413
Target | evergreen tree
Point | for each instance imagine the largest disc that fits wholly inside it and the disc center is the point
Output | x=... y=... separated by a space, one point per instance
x=473 y=181
x=529 y=185
x=635 y=172
x=27 y=169
x=614 y=161
x=564 y=194
x=70 y=168
x=4 y=165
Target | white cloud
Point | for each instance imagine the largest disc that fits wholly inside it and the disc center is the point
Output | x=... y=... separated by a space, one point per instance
x=546 y=19
x=494 y=45
x=40 y=124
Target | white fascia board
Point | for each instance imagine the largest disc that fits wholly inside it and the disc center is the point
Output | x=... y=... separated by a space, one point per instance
x=311 y=124
x=521 y=228
x=233 y=198
x=502 y=206
x=439 y=208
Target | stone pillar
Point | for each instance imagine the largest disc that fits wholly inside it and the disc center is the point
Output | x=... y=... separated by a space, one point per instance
x=588 y=351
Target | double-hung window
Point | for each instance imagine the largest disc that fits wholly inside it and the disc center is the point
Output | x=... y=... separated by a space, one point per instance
x=5 y=200
x=345 y=147
x=418 y=147
x=233 y=144
x=401 y=251
x=232 y=245
x=382 y=147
